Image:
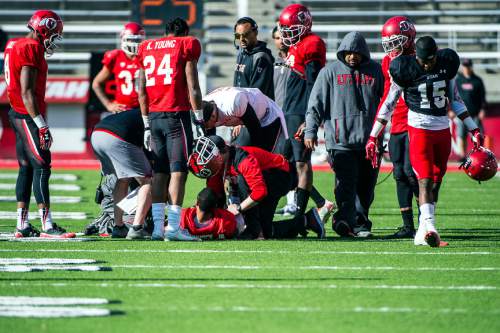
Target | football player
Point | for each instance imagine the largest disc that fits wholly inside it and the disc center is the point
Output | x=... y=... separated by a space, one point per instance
x=25 y=70
x=262 y=178
x=306 y=56
x=231 y=106
x=168 y=90
x=398 y=38
x=122 y=64
x=427 y=81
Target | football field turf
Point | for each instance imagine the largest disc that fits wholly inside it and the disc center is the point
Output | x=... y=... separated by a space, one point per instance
x=303 y=285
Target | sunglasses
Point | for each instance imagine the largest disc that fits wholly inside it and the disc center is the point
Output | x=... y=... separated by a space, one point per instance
x=245 y=35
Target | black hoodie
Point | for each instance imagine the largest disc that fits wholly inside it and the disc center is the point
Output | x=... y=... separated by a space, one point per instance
x=254 y=69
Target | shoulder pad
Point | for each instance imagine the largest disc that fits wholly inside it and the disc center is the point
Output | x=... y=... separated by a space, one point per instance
x=451 y=61
x=402 y=70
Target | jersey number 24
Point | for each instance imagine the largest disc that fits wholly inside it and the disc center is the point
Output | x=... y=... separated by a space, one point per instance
x=163 y=69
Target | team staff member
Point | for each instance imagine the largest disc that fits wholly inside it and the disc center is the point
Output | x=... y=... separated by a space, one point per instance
x=261 y=116
x=117 y=141
x=254 y=67
x=25 y=71
x=345 y=97
x=262 y=177
x=427 y=80
x=168 y=89
x=122 y=64
x=306 y=57
x=398 y=38
x=471 y=89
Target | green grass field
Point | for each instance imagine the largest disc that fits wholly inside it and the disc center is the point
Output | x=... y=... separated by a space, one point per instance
x=303 y=285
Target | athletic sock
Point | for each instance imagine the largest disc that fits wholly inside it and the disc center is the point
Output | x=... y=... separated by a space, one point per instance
x=407 y=216
x=291 y=199
x=302 y=199
x=174 y=217
x=22 y=218
x=45 y=218
x=158 y=211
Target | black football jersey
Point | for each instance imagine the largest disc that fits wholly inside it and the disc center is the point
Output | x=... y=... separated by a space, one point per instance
x=426 y=92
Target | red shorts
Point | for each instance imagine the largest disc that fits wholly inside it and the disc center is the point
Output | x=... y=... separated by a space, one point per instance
x=429 y=152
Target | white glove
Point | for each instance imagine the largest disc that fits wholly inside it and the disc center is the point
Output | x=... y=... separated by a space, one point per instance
x=147 y=139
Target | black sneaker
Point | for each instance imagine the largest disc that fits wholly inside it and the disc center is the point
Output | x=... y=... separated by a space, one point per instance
x=119 y=231
x=57 y=232
x=314 y=223
x=342 y=228
x=402 y=233
x=29 y=231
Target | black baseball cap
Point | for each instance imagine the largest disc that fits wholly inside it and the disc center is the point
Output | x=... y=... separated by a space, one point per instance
x=467 y=62
x=426 y=48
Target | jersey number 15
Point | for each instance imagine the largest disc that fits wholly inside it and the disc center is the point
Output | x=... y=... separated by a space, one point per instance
x=436 y=94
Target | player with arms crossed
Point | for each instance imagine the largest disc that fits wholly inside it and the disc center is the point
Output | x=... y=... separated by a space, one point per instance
x=122 y=63
x=306 y=56
x=427 y=81
x=168 y=89
x=26 y=76
x=398 y=38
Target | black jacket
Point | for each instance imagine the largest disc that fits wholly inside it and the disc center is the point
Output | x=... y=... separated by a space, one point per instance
x=254 y=69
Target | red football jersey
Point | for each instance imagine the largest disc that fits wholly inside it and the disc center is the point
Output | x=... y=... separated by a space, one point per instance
x=310 y=48
x=222 y=226
x=21 y=52
x=163 y=61
x=125 y=71
x=399 y=121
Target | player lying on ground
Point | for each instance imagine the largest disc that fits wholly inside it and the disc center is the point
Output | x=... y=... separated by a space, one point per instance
x=427 y=81
x=25 y=70
x=262 y=178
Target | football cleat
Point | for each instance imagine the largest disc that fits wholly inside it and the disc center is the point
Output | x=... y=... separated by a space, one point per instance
x=119 y=231
x=326 y=210
x=287 y=210
x=342 y=228
x=314 y=223
x=432 y=239
x=158 y=236
x=180 y=235
x=29 y=231
x=57 y=232
x=403 y=232
x=134 y=234
x=420 y=234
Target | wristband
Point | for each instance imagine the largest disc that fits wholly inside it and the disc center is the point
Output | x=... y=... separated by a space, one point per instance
x=470 y=124
x=39 y=121
x=376 y=129
x=145 y=120
x=198 y=114
x=238 y=208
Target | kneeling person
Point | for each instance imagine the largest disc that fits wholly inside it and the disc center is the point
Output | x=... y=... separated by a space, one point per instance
x=117 y=141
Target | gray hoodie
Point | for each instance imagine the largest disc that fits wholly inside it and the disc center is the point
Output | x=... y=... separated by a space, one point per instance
x=346 y=98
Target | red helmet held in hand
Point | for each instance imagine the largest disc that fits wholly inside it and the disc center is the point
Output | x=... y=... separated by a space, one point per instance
x=207 y=160
x=131 y=37
x=398 y=36
x=480 y=164
x=295 y=21
x=49 y=28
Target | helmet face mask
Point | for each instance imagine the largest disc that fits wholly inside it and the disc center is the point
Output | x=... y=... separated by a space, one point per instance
x=206 y=160
x=295 y=22
x=394 y=45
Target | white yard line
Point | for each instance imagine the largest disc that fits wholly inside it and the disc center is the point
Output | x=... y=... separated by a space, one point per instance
x=438 y=252
x=51 y=312
x=255 y=286
x=53 y=199
x=40 y=268
x=50 y=240
x=12 y=215
x=313 y=268
x=55 y=176
x=44 y=261
x=34 y=301
x=52 y=187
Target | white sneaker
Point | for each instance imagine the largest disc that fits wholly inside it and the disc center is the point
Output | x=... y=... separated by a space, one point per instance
x=326 y=210
x=180 y=235
x=420 y=234
x=158 y=235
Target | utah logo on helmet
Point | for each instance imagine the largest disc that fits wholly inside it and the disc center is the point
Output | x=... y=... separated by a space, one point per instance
x=480 y=164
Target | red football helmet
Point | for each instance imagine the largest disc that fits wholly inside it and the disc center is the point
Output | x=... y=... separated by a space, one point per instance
x=480 y=164
x=131 y=37
x=398 y=36
x=295 y=21
x=49 y=27
x=206 y=160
